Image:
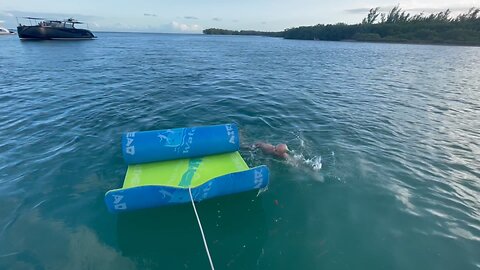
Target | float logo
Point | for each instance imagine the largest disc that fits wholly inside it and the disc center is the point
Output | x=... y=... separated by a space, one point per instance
x=188 y=140
x=258 y=178
x=187 y=177
x=171 y=137
x=117 y=202
x=230 y=133
x=206 y=190
x=130 y=149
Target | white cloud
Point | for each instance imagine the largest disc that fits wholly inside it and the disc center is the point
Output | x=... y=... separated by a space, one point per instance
x=5 y=13
x=415 y=8
x=185 y=27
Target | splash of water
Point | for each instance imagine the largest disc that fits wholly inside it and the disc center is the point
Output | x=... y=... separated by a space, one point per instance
x=297 y=160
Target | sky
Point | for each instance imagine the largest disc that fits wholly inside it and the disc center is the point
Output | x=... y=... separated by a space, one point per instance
x=190 y=16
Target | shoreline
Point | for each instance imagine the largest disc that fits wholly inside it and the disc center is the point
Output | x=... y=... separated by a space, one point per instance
x=418 y=42
x=408 y=43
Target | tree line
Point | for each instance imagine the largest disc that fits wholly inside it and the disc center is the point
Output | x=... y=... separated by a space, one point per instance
x=394 y=26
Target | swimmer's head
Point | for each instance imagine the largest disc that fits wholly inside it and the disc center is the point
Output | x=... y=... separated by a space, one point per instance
x=281 y=148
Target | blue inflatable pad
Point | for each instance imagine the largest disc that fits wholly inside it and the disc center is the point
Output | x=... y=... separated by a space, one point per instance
x=178 y=143
x=142 y=197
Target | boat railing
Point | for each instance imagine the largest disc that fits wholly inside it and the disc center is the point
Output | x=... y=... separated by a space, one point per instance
x=36 y=21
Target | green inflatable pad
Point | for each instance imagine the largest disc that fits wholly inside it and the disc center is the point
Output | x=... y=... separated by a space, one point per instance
x=168 y=182
x=175 y=173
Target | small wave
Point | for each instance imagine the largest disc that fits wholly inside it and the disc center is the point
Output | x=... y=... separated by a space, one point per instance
x=315 y=163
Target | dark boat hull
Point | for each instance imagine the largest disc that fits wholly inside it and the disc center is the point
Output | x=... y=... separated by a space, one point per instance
x=41 y=32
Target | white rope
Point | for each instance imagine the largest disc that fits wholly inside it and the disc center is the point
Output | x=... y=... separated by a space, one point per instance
x=201 y=229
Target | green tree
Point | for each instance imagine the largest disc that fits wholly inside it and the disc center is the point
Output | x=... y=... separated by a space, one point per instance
x=372 y=16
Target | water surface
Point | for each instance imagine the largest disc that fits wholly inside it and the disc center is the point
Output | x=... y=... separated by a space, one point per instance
x=386 y=137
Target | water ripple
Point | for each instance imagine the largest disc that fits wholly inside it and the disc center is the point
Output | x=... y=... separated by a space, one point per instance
x=387 y=140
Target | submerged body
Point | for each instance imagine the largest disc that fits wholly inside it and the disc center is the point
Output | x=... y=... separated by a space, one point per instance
x=279 y=150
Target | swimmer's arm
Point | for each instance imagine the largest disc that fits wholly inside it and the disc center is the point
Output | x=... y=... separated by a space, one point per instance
x=248 y=147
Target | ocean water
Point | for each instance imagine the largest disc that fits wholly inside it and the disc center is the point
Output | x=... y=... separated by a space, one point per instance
x=385 y=172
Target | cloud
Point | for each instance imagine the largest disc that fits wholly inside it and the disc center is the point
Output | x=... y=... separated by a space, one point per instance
x=217 y=19
x=5 y=13
x=365 y=10
x=190 y=18
x=185 y=27
x=357 y=10
x=149 y=15
x=436 y=10
x=20 y=14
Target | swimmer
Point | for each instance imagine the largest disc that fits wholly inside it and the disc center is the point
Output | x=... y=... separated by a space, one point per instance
x=280 y=150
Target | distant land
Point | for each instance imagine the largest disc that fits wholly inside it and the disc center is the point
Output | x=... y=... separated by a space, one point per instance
x=395 y=26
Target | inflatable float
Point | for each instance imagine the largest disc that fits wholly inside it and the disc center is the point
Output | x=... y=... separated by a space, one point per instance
x=174 y=166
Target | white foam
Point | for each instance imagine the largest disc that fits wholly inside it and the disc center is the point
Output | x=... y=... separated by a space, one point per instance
x=314 y=163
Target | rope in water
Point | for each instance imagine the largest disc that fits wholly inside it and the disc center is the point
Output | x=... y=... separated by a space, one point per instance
x=201 y=229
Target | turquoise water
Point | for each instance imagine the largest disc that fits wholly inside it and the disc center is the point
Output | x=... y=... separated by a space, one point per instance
x=386 y=171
